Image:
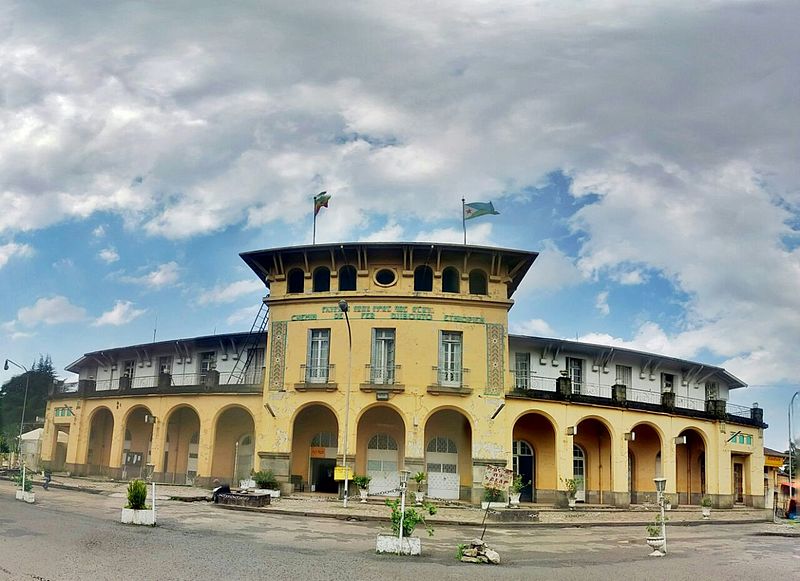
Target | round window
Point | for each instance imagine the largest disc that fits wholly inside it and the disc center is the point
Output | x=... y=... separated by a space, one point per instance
x=385 y=277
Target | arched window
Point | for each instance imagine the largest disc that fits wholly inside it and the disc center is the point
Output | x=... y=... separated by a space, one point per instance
x=295 y=281
x=382 y=442
x=423 y=278
x=347 y=278
x=324 y=440
x=321 y=280
x=451 y=280
x=477 y=282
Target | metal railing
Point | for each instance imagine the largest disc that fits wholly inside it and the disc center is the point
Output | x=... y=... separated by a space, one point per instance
x=450 y=377
x=254 y=377
x=738 y=410
x=643 y=396
x=382 y=375
x=529 y=380
x=690 y=403
x=311 y=374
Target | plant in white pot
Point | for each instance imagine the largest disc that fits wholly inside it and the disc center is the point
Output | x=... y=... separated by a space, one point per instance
x=363 y=486
x=265 y=480
x=705 y=506
x=571 y=486
x=517 y=484
x=419 y=493
x=137 y=512
x=492 y=498
x=655 y=537
x=410 y=545
x=25 y=492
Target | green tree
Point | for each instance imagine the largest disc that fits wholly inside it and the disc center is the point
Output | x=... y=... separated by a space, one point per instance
x=12 y=394
x=793 y=455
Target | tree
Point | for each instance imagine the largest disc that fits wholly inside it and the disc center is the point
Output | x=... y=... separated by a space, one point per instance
x=793 y=455
x=12 y=394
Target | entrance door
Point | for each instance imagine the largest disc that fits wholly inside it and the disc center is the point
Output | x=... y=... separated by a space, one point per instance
x=523 y=466
x=579 y=472
x=244 y=458
x=191 y=463
x=322 y=475
x=738 y=483
x=382 y=464
x=442 y=464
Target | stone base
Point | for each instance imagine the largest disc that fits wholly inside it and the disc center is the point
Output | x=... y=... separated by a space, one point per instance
x=493 y=505
x=25 y=496
x=252 y=499
x=514 y=515
x=138 y=517
x=391 y=544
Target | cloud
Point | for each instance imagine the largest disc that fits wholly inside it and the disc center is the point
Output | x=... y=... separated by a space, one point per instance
x=108 y=255
x=553 y=270
x=389 y=233
x=243 y=315
x=535 y=327
x=601 y=303
x=479 y=234
x=230 y=292
x=50 y=311
x=12 y=249
x=99 y=232
x=122 y=313
x=164 y=275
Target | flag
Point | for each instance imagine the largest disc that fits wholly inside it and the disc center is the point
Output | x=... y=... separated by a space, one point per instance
x=475 y=209
x=320 y=200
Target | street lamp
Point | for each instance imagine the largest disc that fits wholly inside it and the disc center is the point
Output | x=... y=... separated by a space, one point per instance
x=404 y=474
x=344 y=308
x=24 y=402
x=791 y=442
x=661 y=485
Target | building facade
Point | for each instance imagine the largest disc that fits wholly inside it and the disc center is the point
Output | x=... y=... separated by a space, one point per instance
x=390 y=356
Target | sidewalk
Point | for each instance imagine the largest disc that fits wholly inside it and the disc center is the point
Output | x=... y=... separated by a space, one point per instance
x=321 y=506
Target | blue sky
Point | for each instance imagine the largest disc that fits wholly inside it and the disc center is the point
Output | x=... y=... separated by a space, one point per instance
x=648 y=151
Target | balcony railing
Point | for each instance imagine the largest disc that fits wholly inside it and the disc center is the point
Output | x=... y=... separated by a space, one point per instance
x=317 y=374
x=450 y=377
x=382 y=375
x=527 y=380
x=166 y=380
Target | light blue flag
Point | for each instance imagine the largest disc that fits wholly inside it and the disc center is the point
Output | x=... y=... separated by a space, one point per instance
x=475 y=209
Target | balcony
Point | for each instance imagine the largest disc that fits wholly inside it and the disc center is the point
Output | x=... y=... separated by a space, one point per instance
x=451 y=381
x=166 y=383
x=317 y=378
x=382 y=378
x=534 y=386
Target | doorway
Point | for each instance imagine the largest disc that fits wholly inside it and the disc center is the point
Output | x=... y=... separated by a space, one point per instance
x=738 y=483
x=523 y=466
x=322 y=475
x=579 y=472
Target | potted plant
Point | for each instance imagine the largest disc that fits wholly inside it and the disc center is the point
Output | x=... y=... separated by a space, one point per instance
x=516 y=490
x=705 y=506
x=419 y=493
x=655 y=538
x=571 y=486
x=667 y=502
x=412 y=517
x=136 y=512
x=363 y=486
x=492 y=498
x=265 y=480
x=25 y=492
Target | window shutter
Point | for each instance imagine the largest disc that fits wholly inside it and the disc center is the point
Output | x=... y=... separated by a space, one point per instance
x=308 y=355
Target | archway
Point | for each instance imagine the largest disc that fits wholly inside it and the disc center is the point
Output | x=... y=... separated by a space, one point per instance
x=594 y=441
x=138 y=443
x=295 y=281
x=321 y=282
x=448 y=454
x=451 y=280
x=182 y=446
x=477 y=282
x=315 y=437
x=537 y=432
x=380 y=448
x=233 y=453
x=423 y=278
x=690 y=467
x=98 y=455
x=60 y=443
x=644 y=462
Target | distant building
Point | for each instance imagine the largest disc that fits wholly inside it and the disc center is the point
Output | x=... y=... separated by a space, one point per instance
x=433 y=382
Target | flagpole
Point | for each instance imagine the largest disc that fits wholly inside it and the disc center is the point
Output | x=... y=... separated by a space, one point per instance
x=464 y=221
x=314 y=227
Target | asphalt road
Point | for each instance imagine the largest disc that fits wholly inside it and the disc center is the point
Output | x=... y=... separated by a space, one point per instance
x=70 y=535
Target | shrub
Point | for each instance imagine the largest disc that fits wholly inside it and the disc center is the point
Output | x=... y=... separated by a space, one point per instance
x=492 y=494
x=517 y=484
x=654 y=528
x=419 y=477
x=265 y=479
x=411 y=518
x=27 y=486
x=571 y=485
x=706 y=502
x=137 y=494
x=362 y=481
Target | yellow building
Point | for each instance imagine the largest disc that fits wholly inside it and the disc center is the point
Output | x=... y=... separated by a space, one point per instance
x=397 y=356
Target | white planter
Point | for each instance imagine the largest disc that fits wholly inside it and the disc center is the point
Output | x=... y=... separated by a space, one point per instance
x=419 y=497
x=391 y=544
x=138 y=517
x=274 y=493
x=485 y=505
x=25 y=496
x=706 y=511
x=657 y=544
x=514 y=499
x=363 y=493
x=572 y=502
x=247 y=484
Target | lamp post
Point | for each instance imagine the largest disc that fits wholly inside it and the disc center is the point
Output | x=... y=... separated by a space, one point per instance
x=24 y=403
x=343 y=306
x=661 y=484
x=791 y=442
x=404 y=474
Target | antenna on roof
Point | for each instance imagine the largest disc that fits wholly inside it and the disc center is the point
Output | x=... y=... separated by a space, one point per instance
x=155 y=328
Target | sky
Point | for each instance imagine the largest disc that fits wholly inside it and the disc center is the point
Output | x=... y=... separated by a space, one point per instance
x=648 y=150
